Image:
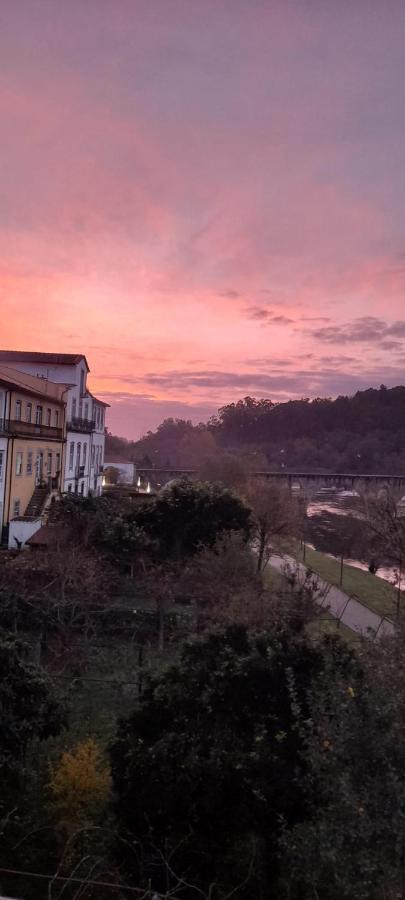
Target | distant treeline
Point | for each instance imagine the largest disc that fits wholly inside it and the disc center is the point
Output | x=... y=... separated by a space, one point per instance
x=363 y=433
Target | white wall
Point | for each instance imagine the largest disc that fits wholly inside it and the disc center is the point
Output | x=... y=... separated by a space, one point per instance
x=21 y=530
x=76 y=406
x=3 y=467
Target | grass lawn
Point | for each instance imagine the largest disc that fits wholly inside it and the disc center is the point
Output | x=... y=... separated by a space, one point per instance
x=327 y=624
x=323 y=624
x=373 y=591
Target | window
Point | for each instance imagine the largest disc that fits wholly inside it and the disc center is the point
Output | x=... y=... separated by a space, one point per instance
x=82 y=382
x=86 y=410
x=49 y=417
x=1 y=465
x=69 y=488
x=18 y=462
x=28 y=412
x=82 y=488
x=73 y=407
x=56 y=418
x=84 y=454
x=38 y=415
x=16 y=507
x=57 y=463
x=49 y=462
x=93 y=450
x=79 y=450
x=80 y=409
x=29 y=462
x=18 y=410
x=71 y=454
x=101 y=418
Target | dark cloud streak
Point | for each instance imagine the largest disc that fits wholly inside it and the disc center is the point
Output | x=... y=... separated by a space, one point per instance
x=364 y=330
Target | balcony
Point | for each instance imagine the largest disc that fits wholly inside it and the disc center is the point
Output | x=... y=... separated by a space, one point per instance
x=30 y=429
x=85 y=426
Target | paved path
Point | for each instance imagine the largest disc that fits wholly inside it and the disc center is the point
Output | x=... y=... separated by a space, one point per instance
x=351 y=612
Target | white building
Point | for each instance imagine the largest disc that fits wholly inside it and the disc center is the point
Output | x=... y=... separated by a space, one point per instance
x=85 y=415
x=126 y=471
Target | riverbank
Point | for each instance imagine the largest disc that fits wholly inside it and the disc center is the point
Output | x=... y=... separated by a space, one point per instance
x=347 y=610
x=374 y=592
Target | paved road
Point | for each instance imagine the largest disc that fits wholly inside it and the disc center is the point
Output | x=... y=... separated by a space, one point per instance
x=351 y=612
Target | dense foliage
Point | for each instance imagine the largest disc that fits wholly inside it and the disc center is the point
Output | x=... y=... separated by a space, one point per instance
x=363 y=433
x=186 y=515
x=28 y=702
x=210 y=770
x=216 y=742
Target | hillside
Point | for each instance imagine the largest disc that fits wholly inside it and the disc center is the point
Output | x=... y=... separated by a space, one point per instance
x=363 y=433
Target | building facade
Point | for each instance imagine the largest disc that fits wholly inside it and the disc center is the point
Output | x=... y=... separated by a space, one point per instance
x=85 y=415
x=32 y=444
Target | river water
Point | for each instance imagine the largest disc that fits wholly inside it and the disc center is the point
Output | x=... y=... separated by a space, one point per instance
x=324 y=517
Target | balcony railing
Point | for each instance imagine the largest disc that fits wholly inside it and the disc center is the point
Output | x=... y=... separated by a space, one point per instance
x=30 y=429
x=83 y=425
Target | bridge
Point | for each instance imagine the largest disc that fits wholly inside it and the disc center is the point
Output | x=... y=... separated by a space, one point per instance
x=308 y=482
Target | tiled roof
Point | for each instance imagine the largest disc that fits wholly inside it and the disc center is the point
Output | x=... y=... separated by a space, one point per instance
x=48 y=535
x=31 y=384
x=53 y=359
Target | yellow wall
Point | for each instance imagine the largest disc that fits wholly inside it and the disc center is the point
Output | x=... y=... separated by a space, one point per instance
x=36 y=401
x=22 y=486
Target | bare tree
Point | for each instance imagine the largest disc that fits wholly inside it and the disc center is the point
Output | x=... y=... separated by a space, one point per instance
x=275 y=514
x=386 y=529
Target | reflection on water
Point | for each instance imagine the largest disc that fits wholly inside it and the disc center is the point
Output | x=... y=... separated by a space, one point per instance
x=339 y=503
x=324 y=512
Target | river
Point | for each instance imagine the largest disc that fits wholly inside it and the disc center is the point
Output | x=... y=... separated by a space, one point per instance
x=325 y=512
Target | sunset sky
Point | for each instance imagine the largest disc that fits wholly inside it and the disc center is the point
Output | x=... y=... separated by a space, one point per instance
x=207 y=197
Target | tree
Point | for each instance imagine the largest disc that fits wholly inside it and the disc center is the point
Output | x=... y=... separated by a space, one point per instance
x=225 y=469
x=208 y=768
x=342 y=535
x=55 y=595
x=186 y=515
x=29 y=704
x=124 y=542
x=386 y=532
x=111 y=474
x=352 y=845
x=223 y=584
x=31 y=712
x=81 y=520
x=225 y=587
x=194 y=448
x=80 y=786
x=275 y=514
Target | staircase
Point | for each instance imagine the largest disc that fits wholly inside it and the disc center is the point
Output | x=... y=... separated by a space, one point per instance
x=37 y=502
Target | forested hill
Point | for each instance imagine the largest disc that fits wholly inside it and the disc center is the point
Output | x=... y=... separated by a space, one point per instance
x=363 y=433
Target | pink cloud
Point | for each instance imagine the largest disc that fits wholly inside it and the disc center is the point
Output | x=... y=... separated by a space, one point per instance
x=163 y=172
